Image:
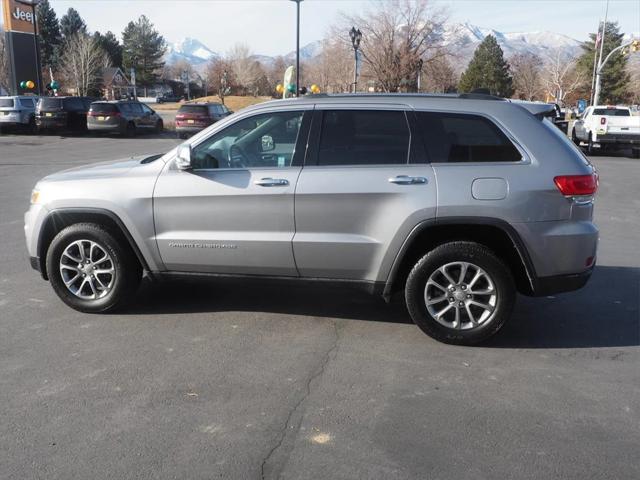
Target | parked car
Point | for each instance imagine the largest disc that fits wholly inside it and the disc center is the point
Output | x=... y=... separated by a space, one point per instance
x=62 y=113
x=18 y=111
x=168 y=98
x=608 y=127
x=123 y=117
x=511 y=210
x=194 y=117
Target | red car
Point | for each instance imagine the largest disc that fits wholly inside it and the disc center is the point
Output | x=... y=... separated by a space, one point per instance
x=193 y=117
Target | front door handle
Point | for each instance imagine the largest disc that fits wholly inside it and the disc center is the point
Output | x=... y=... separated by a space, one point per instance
x=407 y=180
x=272 y=182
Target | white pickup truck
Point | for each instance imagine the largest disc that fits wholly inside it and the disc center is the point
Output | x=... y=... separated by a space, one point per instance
x=608 y=127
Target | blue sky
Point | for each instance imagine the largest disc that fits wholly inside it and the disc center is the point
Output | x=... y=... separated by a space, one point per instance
x=268 y=26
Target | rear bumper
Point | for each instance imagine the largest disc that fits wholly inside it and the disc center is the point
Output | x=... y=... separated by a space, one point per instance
x=190 y=128
x=99 y=127
x=544 y=286
x=51 y=124
x=618 y=138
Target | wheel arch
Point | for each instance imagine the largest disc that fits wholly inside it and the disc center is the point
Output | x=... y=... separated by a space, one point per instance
x=495 y=234
x=59 y=219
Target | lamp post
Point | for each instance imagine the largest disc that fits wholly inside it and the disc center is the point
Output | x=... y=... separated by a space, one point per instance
x=356 y=37
x=634 y=47
x=420 y=65
x=33 y=4
x=297 y=46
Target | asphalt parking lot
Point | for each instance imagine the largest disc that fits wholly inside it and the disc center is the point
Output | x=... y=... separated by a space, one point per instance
x=220 y=380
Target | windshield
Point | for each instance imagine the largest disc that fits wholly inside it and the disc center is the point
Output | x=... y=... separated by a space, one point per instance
x=6 y=102
x=103 y=108
x=55 y=103
x=612 y=112
x=195 y=109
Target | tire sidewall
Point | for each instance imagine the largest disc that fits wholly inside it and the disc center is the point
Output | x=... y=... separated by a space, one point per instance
x=460 y=252
x=110 y=245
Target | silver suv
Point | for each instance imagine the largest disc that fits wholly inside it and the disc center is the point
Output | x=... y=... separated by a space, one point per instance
x=18 y=111
x=459 y=201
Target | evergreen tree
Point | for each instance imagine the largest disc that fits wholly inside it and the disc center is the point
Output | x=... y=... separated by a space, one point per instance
x=488 y=69
x=72 y=23
x=49 y=34
x=110 y=44
x=614 y=77
x=143 y=48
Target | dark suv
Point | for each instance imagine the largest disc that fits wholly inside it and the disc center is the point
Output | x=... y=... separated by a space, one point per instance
x=62 y=113
x=193 y=117
x=123 y=117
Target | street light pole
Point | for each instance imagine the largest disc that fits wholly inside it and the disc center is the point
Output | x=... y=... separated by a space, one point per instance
x=596 y=95
x=356 y=38
x=297 y=46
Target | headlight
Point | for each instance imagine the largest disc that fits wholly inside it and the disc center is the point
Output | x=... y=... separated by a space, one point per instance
x=35 y=196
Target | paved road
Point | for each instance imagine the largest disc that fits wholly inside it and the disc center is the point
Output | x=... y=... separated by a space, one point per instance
x=241 y=381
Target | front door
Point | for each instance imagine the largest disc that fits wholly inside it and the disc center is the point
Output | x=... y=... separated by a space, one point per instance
x=234 y=212
x=364 y=187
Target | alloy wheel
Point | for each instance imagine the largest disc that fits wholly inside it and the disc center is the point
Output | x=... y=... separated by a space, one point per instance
x=87 y=270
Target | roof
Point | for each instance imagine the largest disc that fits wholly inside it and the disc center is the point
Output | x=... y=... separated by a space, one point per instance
x=114 y=75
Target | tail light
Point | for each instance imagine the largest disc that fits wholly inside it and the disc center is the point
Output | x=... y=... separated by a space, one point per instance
x=603 y=120
x=579 y=188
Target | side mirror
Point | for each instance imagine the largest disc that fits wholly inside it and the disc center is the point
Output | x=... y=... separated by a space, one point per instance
x=183 y=157
x=267 y=143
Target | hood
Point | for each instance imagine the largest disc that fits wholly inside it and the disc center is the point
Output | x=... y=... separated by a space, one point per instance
x=110 y=169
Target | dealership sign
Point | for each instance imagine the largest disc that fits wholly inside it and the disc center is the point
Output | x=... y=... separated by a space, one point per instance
x=18 y=15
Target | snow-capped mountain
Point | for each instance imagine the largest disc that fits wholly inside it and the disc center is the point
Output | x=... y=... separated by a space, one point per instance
x=462 y=38
x=191 y=50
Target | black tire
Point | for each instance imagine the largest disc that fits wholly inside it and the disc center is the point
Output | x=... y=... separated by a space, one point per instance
x=159 y=127
x=181 y=136
x=127 y=268
x=591 y=150
x=472 y=253
x=574 y=138
x=131 y=130
x=635 y=153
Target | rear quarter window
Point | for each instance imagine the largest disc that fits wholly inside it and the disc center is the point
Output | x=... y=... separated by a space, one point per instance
x=463 y=138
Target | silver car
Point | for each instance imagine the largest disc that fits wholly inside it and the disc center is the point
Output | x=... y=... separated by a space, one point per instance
x=459 y=201
x=18 y=111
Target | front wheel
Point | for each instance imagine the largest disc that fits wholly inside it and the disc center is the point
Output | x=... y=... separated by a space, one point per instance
x=460 y=293
x=159 y=127
x=91 y=269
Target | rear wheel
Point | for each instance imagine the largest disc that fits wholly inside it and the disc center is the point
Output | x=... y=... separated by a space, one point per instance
x=635 y=152
x=91 y=269
x=131 y=130
x=591 y=150
x=574 y=137
x=460 y=293
x=159 y=126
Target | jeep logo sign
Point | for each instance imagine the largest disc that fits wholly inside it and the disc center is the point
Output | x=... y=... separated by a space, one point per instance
x=17 y=17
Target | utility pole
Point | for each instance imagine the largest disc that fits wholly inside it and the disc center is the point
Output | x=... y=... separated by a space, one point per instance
x=596 y=66
x=297 y=46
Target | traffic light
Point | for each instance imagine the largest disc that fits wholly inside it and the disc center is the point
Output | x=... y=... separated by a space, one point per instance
x=27 y=84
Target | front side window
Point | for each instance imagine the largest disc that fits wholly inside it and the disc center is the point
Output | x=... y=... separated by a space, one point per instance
x=363 y=137
x=459 y=138
x=26 y=102
x=261 y=141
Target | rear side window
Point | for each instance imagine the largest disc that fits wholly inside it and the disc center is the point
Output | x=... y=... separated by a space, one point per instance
x=26 y=102
x=457 y=138
x=136 y=108
x=6 y=102
x=103 y=108
x=612 y=112
x=363 y=137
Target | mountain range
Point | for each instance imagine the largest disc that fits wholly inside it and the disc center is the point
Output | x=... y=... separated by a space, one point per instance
x=462 y=38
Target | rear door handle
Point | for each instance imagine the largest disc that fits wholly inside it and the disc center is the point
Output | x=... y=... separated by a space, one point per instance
x=407 y=180
x=272 y=182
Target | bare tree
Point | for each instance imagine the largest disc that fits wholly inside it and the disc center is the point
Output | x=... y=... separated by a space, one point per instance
x=439 y=75
x=560 y=76
x=220 y=77
x=332 y=70
x=82 y=63
x=246 y=69
x=526 y=69
x=396 y=35
x=633 y=67
x=4 y=63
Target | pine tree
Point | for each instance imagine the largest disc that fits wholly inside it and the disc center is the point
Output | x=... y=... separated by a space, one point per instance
x=488 y=69
x=110 y=44
x=143 y=48
x=49 y=34
x=72 y=23
x=614 y=77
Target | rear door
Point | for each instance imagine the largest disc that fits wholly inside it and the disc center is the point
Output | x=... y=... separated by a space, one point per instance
x=364 y=187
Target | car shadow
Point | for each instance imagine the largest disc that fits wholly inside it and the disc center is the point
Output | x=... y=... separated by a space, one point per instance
x=605 y=313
